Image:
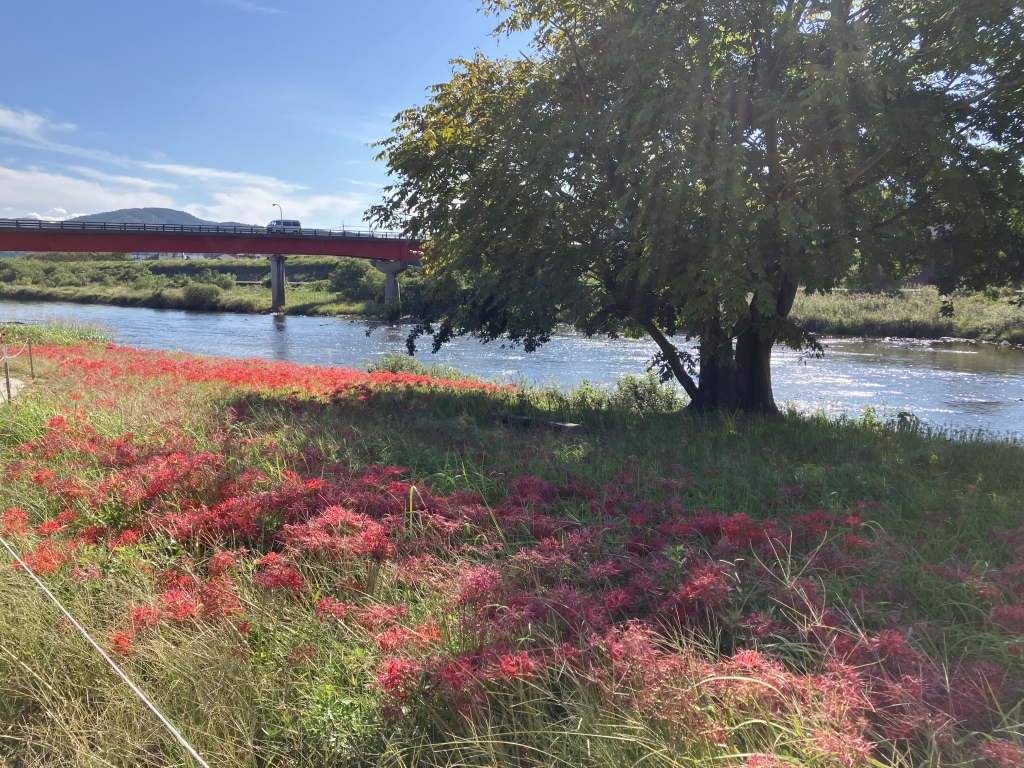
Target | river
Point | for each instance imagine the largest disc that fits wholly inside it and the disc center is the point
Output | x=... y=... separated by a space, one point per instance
x=956 y=385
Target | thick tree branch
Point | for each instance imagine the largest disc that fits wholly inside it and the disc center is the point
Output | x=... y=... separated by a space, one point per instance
x=976 y=97
x=668 y=349
x=871 y=162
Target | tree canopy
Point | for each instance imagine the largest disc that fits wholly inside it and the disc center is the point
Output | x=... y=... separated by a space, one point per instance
x=659 y=168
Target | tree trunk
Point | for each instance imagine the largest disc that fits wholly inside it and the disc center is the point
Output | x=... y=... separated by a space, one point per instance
x=732 y=378
x=740 y=377
x=754 y=345
x=716 y=389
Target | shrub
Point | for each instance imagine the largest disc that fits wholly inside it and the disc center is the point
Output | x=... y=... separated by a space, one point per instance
x=202 y=296
x=398 y=363
x=644 y=394
x=347 y=277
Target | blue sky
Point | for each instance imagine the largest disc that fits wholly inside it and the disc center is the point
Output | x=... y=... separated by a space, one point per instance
x=216 y=107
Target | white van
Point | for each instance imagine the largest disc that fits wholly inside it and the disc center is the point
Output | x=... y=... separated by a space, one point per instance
x=284 y=227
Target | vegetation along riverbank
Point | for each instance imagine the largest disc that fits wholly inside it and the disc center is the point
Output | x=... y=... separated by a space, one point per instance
x=326 y=286
x=307 y=567
x=318 y=285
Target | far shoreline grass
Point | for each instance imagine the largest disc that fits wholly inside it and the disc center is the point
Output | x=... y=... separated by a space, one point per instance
x=911 y=313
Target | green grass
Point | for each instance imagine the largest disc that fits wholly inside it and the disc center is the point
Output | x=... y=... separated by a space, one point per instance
x=65 y=332
x=164 y=285
x=912 y=313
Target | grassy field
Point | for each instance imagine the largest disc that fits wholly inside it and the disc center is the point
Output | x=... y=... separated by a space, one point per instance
x=913 y=313
x=320 y=567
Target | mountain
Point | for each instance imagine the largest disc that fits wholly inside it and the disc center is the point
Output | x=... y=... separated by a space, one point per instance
x=152 y=216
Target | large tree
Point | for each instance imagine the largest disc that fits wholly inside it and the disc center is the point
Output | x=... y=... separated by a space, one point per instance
x=658 y=168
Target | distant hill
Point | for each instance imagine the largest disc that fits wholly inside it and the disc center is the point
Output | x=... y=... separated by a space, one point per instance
x=152 y=216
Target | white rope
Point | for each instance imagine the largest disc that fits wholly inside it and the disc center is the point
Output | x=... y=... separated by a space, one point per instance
x=110 y=661
x=8 y=354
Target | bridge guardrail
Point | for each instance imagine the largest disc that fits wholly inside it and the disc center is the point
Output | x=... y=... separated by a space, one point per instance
x=198 y=229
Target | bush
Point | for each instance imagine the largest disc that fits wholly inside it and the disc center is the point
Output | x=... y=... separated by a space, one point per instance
x=225 y=281
x=202 y=296
x=358 y=280
x=347 y=277
x=399 y=363
x=644 y=394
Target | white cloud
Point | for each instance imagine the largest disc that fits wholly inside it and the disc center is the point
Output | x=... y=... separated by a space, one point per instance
x=127 y=181
x=210 y=193
x=29 y=191
x=215 y=175
x=27 y=129
x=254 y=205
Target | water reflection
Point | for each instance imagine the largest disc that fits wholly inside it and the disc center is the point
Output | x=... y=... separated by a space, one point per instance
x=959 y=385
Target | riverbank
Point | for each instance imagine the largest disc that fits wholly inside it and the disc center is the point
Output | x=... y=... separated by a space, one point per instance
x=235 y=285
x=913 y=313
x=312 y=566
x=326 y=288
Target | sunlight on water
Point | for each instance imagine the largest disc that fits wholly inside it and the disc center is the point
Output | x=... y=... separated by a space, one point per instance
x=964 y=386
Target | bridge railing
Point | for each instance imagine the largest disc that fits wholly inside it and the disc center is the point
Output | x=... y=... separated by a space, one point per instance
x=197 y=229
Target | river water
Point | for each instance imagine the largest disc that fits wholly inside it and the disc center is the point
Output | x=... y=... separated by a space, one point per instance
x=956 y=385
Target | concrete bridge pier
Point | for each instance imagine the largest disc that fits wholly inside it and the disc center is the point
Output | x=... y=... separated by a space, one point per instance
x=277 y=282
x=391 y=270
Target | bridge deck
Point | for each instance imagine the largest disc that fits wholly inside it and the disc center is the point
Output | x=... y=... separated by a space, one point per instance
x=104 y=237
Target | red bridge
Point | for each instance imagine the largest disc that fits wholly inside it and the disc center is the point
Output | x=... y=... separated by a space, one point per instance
x=390 y=253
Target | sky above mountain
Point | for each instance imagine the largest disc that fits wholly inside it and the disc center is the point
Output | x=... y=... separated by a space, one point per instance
x=216 y=107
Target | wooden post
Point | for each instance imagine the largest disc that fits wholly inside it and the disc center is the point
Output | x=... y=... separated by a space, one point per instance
x=7 y=377
x=31 y=361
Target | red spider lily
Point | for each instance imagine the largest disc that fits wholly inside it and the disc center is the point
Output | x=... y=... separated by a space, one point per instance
x=843 y=750
x=275 y=574
x=244 y=374
x=397 y=678
x=1009 y=617
x=330 y=609
x=301 y=654
x=223 y=563
x=404 y=640
x=377 y=617
x=179 y=605
x=14 y=522
x=760 y=624
x=703 y=595
x=145 y=617
x=516 y=666
x=123 y=643
x=767 y=760
x=48 y=557
x=1003 y=753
